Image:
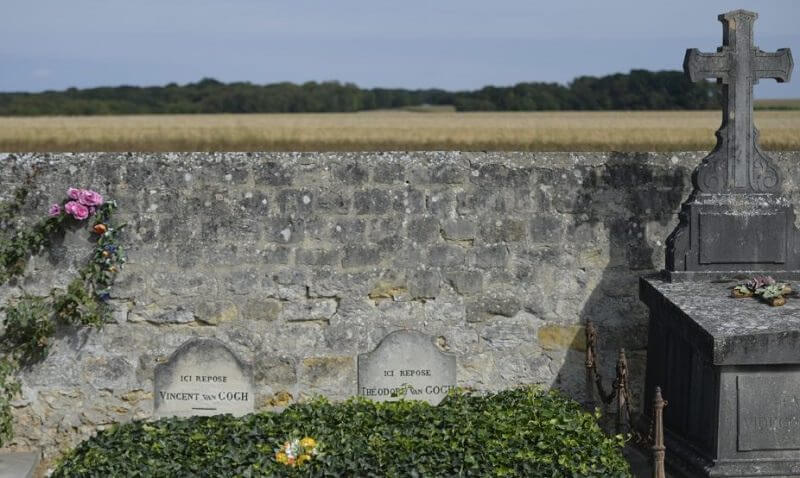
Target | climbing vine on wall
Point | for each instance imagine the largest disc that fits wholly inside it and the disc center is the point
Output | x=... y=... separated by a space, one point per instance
x=30 y=320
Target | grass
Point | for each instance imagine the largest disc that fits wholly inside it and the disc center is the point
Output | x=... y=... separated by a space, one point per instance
x=390 y=130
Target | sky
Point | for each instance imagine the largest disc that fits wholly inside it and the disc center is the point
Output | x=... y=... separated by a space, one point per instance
x=450 y=44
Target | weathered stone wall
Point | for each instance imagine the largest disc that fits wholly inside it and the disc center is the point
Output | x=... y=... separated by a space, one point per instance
x=302 y=261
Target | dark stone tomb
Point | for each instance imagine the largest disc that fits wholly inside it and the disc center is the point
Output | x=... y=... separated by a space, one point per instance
x=730 y=368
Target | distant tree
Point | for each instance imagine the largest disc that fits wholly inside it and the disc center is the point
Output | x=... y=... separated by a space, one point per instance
x=637 y=90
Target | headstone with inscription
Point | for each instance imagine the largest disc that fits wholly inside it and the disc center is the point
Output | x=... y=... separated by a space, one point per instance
x=203 y=377
x=729 y=368
x=406 y=364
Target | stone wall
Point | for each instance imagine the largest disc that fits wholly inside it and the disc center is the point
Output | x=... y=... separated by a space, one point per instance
x=299 y=262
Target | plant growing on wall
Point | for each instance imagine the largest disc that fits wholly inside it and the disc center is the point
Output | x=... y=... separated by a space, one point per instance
x=30 y=320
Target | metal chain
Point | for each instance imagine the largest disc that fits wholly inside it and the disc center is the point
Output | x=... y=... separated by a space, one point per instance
x=591 y=365
x=620 y=387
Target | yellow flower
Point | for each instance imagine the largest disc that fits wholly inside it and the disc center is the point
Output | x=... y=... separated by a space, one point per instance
x=308 y=442
x=281 y=457
x=302 y=459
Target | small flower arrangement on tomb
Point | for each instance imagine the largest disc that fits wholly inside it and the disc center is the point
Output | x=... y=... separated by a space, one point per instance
x=765 y=288
x=297 y=452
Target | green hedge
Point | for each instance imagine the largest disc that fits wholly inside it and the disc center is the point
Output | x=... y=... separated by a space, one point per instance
x=523 y=432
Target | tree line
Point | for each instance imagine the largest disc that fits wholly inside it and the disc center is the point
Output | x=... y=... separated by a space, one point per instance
x=637 y=90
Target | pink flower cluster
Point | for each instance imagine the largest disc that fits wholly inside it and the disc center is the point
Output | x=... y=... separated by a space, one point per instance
x=82 y=204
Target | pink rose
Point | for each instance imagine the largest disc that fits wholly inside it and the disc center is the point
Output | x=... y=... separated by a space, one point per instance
x=87 y=197
x=73 y=193
x=55 y=210
x=78 y=210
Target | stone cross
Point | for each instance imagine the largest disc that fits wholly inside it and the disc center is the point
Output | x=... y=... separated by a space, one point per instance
x=737 y=65
x=736 y=222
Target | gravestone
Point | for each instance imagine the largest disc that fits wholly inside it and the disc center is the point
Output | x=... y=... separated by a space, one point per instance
x=203 y=377
x=18 y=464
x=730 y=368
x=406 y=364
x=736 y=220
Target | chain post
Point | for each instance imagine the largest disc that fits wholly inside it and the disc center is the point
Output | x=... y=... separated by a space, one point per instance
x=659 y=450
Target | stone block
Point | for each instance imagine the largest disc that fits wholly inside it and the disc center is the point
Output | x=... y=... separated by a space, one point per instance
x=488 y=257
x=441 y=203
x=514 y=333
x=387 y=173
x=408 y=201
x=466 y=282
x=495 y=175
x=276 y=255
x=295 y=201
x=360 y=256
x=546 y=229
x=459 y=229
x=371 y=201
x=446 y=256
x=254 y=203
x=351 y=173
x=347 y=230
x=284 y=230
x=178 y=315
x=332 y=375
x=333 y=202
x=383 y=227
x=424 y=283
x=388 y=290
x=439 y=173
x=502 y=230
x=272 y=174
x=500 y=304
x=109 y=372
x=310 y=309
x=561 y=337
x=390 y=245
x=260 y=308
x=317 y=257
x=241 y=282
x=273 y=371
x=423 y=230
x=448 y=173
x=487 y=306
x=216 y=312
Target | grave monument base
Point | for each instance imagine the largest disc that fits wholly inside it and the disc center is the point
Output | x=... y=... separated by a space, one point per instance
x=18 y=464
x=734 y=236
x=730 y=370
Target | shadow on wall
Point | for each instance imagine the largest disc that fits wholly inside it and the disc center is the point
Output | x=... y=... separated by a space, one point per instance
x=622 y=212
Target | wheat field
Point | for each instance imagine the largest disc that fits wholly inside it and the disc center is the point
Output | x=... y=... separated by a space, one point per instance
x=390 y=130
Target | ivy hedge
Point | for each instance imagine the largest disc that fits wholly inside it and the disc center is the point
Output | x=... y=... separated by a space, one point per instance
x=521 y=432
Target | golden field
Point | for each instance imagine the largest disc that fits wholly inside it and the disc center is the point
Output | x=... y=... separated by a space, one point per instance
x=390 y=130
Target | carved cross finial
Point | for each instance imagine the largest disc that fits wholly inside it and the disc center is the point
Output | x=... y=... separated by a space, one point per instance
x=738 y=165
